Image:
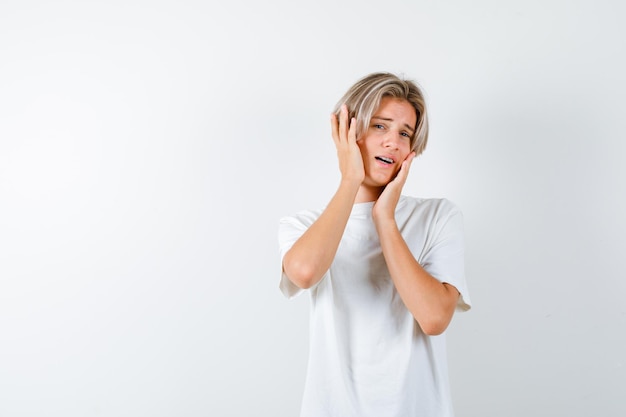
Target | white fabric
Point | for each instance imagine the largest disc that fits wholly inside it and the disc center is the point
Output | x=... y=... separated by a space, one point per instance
x=368 y=356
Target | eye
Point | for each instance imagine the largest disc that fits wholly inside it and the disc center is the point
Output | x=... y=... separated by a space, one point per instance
x=378 y=126
x=406 y=135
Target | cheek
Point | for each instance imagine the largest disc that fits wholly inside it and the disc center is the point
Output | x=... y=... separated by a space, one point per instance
x=405 y=151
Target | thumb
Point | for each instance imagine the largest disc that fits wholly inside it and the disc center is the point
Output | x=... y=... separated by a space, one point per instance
x=406 y=165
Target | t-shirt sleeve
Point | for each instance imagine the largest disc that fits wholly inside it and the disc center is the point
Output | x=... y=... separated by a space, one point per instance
x=289 y=231
x=444 y=258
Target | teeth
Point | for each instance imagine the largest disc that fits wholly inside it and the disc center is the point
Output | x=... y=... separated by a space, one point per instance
x=385 y=160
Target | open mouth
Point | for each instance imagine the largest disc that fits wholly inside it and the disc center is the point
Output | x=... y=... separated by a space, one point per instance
x=385 y=160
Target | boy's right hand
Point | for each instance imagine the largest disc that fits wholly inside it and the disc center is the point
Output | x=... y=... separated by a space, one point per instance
x=348 y=151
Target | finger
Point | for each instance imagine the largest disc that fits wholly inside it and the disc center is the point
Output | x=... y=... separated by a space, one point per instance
x=335 y=128
x=405 y=167
x=352 y=130
x=409 y=159
x=343 y=121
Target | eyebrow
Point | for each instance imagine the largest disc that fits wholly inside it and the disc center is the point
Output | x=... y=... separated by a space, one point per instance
x=391 y=120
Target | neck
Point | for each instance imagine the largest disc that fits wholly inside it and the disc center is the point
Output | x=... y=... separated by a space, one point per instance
x=368 y=193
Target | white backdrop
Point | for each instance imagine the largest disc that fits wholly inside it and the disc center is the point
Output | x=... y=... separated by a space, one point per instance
x=148 y=149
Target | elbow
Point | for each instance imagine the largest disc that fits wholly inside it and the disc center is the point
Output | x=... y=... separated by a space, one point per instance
x=434 y=327
x=303 y=276
x=433 y=330
x=435 y=320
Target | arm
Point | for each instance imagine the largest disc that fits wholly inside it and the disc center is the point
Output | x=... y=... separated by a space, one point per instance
x=431 y=302
x=311 y=255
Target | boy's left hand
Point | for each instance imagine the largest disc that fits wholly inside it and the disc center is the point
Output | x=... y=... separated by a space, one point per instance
x=385 y=207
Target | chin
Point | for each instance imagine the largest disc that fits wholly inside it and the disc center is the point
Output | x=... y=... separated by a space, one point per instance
x=379 y=184
x=379 y=181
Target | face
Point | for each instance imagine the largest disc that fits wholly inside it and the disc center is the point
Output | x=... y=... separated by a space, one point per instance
x=387 y=141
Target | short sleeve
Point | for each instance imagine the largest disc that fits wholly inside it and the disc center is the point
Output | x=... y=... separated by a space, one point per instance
x=444 y=258
x=289 y=231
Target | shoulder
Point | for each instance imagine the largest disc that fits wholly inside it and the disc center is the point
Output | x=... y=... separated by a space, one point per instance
x=290 y=228
x=430 y=216
x=437 y=208
x=303 y=218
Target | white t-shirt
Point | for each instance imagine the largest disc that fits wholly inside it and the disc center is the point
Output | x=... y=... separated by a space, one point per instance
x=367 y=354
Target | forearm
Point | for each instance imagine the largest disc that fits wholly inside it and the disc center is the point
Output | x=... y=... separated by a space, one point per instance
x=312 y=254
x=431 y=302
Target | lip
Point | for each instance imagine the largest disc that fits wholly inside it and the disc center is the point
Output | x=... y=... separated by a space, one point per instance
x=383 y=164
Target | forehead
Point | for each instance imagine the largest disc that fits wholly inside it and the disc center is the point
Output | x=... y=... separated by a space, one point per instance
x=396 y=110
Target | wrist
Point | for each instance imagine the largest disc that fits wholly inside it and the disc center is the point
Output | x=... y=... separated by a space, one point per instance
x=384 y=222
x=352 y=183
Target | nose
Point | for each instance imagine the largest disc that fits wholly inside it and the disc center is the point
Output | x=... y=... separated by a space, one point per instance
x=391 y=140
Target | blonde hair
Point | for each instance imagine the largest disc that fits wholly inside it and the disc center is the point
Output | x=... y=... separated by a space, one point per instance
x=364 y=97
